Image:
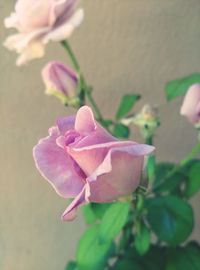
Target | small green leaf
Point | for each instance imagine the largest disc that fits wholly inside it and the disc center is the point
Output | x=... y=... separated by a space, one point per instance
x=142 y=239
x=170 y=218
x=113 y=221
x=193 y=183
x=121 y=131
x=127 y=103
x=179 y=87
x=91 y=254
x=71 y=266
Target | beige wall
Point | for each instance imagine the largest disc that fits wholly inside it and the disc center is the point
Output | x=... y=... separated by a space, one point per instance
x=123 y=46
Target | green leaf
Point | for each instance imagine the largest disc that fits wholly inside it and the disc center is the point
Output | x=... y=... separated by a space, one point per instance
x=121 y=131
x=71 y=266
x=89 y=214
x=193 y=183
x=154 y=259
x=184 y=258
x=162 y=170
x=95 y=211
x=142 y=239
x=127 y=103
x=126 y=265
x=107 y=122
x=113 y=221
x=179 y=87
x=165 y=180
x=99 y=209
x=170 y=218
x=91 y=254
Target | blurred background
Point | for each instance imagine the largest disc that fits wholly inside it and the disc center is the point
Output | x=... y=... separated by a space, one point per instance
x=123 y=47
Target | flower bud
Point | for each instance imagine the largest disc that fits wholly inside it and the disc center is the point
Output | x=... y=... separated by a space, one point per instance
x=61 y=82
x=147 y=120
x=191 y=105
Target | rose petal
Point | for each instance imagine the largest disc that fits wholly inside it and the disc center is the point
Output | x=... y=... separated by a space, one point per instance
x=82 y=198
x=190 y=103
x=85 y=122
x=11 y=21
x=66 y=123
x=89 y=158
x=63 y=31
x=33 y=14
x=119 y=173
x=33 y=51
x=56 y=167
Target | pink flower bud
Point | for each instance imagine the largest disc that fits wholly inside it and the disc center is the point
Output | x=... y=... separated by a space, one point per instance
x=191 y=104
x=61 y=81
x=81 y=160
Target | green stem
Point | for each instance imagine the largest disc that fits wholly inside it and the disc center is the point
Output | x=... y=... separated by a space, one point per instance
x=83 y=85
x=95 y=106
x=151 y=163
x=67 y=47
x=195 y=151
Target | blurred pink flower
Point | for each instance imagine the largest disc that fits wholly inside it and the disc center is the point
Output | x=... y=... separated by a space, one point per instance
x=61 y=81
x=38 y=22
x=83 y=161
x=191 y=104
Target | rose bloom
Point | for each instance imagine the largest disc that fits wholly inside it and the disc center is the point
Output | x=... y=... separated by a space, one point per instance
x=191 y=104
x=61 y=82
x=38 y=22
x=81 y=160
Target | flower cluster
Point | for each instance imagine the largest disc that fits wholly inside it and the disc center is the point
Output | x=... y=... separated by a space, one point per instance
x=80 y=158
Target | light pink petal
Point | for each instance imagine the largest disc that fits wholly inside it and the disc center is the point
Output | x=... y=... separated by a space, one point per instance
x=94 y=133
x=56 y=166
x=82 y=198
x=119 y=174
x=19 y=42
x=198 y=110
x=34 y=14
x=64 y=30
x=66 y=123
x=32 y=51
x=63 y=9
x=89 y=158
x=27 y=45
x=11 y=21
x=85 y=122
x=190 y=103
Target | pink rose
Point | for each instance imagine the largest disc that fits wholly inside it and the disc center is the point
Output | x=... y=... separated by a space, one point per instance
x=81 y=160
x=38 y=22
x=61 y=81
x=191 y=104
